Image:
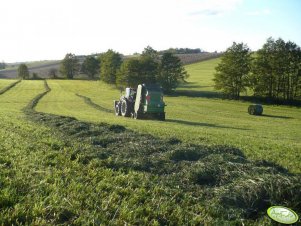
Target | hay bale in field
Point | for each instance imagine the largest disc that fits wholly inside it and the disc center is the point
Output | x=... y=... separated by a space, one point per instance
x=255 y=109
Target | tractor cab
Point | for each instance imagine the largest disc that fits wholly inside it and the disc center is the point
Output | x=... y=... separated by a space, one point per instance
x=130 y=94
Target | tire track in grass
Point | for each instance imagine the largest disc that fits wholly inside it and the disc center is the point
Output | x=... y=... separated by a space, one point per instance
x=94 y=105
x=33 y=103
x=5 y=89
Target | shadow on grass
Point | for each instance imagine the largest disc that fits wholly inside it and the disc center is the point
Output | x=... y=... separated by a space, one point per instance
x=194 y=93
x=276 y=116
x=201 y=124
x=192 y=86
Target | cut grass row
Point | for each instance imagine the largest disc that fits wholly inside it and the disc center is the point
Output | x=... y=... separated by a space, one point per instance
x=73 y=172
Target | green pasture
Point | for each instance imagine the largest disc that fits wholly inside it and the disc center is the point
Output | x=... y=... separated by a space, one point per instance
x=5 y=82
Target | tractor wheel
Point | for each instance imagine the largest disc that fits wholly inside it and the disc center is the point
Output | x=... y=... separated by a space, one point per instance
x=125 y=108
x=137 y=115
x=117 y=109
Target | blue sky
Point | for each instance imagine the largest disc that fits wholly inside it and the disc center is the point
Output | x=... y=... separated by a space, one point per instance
x=48 y=29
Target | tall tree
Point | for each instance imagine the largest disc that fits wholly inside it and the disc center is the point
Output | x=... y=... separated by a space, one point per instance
x=69 y=66
x=231 y=73
x=277 y=70
x=149 y=69
x=23 y=71
x=110 y=63
x=135 y=71
x=91 y=66
x=171 y=72
x=129 y=73
x=150 y=52
x=52 y=73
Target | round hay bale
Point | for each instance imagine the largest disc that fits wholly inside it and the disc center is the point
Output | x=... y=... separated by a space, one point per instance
x=255 y=109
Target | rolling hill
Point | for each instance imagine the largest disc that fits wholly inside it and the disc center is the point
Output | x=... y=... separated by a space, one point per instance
x=42 y=68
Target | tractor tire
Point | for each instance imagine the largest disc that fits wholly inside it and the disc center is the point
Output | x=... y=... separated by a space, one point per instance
x=125 y=108
x=137 y=115
x=117 y=109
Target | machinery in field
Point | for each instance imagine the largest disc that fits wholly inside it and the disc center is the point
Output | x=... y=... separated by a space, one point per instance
x=144 y=102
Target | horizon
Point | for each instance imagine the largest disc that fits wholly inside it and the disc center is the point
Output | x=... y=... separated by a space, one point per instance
x=50 y=29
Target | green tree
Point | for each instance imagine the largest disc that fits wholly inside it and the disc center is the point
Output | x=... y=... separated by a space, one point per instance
x=35 y=76
x=110 y=63
x=23 y=71
x=129 y=73
x=150 y=52
x=91 y=66
x=149 y=69
x=171 y=72
x=52 y=73
x=136 y=71
x=293 y=73
x=232 y=72
x=276 y=70
x=69 y=66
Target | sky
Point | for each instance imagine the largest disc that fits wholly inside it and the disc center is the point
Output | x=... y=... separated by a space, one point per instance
x=48 y=29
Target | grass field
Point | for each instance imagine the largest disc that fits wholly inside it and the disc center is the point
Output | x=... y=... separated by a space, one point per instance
x=5 y=82
x=61 y=170
x=201 y=120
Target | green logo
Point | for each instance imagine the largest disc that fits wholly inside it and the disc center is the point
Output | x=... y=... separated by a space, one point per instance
x=282 y=215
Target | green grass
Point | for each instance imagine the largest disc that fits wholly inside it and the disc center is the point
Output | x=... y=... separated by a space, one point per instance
x=5 y=82
x=201 y=75
x=59 y=170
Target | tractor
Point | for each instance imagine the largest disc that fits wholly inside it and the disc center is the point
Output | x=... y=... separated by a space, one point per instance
x=144 y=102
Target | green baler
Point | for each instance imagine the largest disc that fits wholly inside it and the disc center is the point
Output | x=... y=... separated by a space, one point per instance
x=144 y=102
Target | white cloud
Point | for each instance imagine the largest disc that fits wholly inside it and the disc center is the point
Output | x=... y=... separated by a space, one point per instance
x=213 y=7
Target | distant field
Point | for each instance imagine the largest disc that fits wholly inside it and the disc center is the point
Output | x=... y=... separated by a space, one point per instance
x=42 y=67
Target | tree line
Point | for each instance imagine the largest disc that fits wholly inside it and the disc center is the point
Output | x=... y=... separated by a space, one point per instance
x=273 y=72
x=112 y=68
x=181 y=51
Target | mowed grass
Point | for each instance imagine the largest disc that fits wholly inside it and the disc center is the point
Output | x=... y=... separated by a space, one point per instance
x=5 y=82
x=18 y=97
x=194 y=115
